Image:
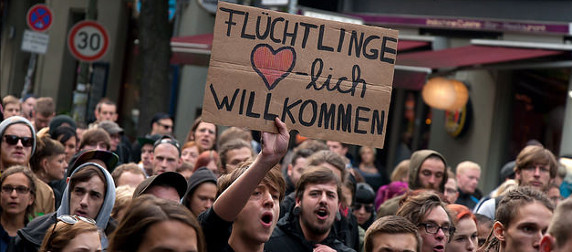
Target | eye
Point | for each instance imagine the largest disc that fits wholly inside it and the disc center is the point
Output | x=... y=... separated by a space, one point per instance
x=529 y=229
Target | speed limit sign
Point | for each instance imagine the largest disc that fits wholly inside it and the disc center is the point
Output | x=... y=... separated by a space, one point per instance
x=88 y=41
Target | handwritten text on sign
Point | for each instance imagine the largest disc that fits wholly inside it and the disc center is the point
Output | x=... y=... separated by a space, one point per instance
x=326 y=79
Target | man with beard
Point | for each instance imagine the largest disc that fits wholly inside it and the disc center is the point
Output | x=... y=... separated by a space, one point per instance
x=427 y=170
x=308 y=226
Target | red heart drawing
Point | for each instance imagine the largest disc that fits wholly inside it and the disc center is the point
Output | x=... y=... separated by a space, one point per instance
x=271 y=65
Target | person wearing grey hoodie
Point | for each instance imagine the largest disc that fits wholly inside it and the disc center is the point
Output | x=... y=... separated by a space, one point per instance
x=427 y=170
x=89 y=193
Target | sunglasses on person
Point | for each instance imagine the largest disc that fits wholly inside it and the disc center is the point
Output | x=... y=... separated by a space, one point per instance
x=165 y=126
x=69 y=220
x=13 y=140
x=358 y=206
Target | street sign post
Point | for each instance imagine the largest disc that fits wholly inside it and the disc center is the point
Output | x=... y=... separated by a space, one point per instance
x=39 y=18
x=88 y=41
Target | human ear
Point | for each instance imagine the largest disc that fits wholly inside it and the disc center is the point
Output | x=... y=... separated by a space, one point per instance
x=44 y=164
x=498 y=231
x=546 y=243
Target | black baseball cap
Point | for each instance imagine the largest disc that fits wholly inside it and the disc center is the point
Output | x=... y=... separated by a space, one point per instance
x=110 y=159
x=172 y=179
x=149 y=139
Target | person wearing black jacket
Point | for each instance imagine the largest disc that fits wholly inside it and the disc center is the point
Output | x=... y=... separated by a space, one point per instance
x=309 y=225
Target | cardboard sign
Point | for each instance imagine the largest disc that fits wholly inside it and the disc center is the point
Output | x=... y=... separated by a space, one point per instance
x=326 y=79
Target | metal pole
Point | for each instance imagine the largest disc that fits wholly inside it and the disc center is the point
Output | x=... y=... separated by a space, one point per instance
x=292 y=7
x=28 y=80
x=81 y=93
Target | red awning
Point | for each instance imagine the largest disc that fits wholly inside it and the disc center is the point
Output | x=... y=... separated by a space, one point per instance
x=192 y=50
x=470 y=55
x=405 y=45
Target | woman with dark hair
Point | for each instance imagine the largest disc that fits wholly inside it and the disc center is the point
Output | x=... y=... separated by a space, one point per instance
x=68 y=138
x=152 y=223
x=16 y=202
x=72 y=233
x=204 y=134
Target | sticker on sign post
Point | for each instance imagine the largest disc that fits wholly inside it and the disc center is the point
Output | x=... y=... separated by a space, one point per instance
x=39 y=18
x=88 y=41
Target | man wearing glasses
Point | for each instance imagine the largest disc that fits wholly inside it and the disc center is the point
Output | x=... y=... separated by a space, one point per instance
x=535 y=166
x=161 y=124
x=434 y=223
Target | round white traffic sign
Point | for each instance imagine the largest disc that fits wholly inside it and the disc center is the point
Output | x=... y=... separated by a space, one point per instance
x=88 y=41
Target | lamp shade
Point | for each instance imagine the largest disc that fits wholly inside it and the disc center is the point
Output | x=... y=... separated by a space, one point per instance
x=462 y=95
x=445 y=94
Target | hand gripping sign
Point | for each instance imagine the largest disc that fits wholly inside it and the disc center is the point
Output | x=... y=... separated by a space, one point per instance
x=326 y=79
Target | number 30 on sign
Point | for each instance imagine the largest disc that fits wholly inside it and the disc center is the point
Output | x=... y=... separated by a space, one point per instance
x=88 y=41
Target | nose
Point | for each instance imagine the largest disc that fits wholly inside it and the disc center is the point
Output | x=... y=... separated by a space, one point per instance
x=471 y=244
x=440 y=235
x=84 y=200
x=209 y=203
x=14 y=194
x=537 y=171
x=267 y=200
x=536 y=243
x=19 y=143
x=324 y=198
x=432 y=179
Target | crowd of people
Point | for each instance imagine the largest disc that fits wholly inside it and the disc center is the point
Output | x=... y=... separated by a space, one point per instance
x=65 y=187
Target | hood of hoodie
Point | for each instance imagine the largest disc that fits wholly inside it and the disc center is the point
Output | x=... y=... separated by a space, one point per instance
x=417 y=158
x=199 y=177
x=108 y=202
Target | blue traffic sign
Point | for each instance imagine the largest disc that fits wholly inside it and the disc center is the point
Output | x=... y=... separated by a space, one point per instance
x=39 y=17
